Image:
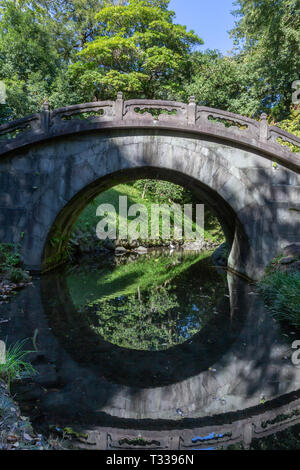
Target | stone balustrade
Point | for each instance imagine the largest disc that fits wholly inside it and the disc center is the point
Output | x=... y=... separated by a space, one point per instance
x=148 y=113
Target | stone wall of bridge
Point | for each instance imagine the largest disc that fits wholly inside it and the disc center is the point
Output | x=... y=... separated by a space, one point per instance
x=45 y=186
x=52 y=164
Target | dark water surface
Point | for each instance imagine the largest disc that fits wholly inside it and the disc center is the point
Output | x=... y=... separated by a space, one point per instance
x=149 y=342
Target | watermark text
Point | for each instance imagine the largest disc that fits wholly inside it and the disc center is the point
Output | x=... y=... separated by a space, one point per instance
x=2 y=92
x=165 y=221
x=2 y=352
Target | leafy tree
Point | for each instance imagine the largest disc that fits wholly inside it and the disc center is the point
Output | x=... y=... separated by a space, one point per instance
x=221 y=82
x=28 y=60
x=73 y=51
x=140 y=321
x=72 y=22
x=25 y=45
x=154 y=319
x=292 y=125
x=267 y=35
x=164 y=191
x=139 y=50
x=38 y=40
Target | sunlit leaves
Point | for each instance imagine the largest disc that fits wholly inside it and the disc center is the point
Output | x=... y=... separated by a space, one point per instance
x=268 y=34
x=139 y=50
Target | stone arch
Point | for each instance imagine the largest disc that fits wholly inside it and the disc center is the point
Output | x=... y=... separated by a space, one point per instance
x=46 y=185
x=189 y=162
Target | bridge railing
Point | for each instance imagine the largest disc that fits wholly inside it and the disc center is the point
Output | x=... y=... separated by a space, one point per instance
x=280 y=137
x=225 y=120
x=96 y=111
x=144 y=112
x=15 y=129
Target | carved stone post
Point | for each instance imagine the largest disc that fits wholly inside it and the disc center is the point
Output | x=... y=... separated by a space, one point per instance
x=191 y=111
x=45 y=117
x=264 y=131
x=119 y=106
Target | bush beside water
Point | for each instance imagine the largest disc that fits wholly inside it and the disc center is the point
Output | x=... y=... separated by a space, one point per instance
x=281 y=292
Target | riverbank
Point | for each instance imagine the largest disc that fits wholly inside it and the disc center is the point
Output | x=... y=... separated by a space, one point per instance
x=84 y=239
x=13 y=276
x=280 y=287
x=16 y=431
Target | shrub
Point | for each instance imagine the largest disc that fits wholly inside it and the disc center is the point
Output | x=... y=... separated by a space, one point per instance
x=8 y=255
x=15 y=367
x=281 y=292
x=17 y=275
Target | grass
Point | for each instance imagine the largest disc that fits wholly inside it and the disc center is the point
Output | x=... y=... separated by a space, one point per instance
x=281 y=292
x=88 y=218
x=15 y=366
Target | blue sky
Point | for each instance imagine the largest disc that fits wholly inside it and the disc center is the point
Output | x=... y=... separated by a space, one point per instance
x=210 y=19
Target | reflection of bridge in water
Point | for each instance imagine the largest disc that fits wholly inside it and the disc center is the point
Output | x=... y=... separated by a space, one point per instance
x=244 y=428
x=249 y=389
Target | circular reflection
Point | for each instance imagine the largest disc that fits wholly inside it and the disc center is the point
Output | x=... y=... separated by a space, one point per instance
x=146 y=322
x=170 y=311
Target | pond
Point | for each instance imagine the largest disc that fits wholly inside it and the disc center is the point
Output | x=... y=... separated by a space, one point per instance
x=155 y=341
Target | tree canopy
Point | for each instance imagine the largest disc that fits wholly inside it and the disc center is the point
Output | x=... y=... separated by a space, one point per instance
x=138 y=50
x=267 y=35
x=73 y=51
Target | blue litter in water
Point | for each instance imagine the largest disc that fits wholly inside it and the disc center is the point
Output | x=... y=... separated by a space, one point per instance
x=208 y=448
x=207 y=438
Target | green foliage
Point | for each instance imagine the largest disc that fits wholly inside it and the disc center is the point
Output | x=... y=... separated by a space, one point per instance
x=28 y=60
x=155 y=192
x=273 y=266
x=268 y=35
x=74 y=51
x=258 y=77
x=25 y=44
x=38 y=41
x=17 y=275
x=221 y=82
x=163 y=191
x=281 y=292
x=292 y=125
x=289 y=439
x=11 y=266
x=15 y=366
x=138 y=50
x=8 y=256
x=129 y=320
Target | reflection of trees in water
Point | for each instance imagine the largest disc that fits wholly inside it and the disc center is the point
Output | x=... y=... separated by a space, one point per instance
x=91 y=282
x=155 y=319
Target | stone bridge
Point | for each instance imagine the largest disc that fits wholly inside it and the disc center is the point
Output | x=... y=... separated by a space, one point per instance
x=52 y=164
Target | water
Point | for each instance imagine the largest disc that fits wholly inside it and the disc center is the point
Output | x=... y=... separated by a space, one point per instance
x=148 y=342
x=151 y=304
